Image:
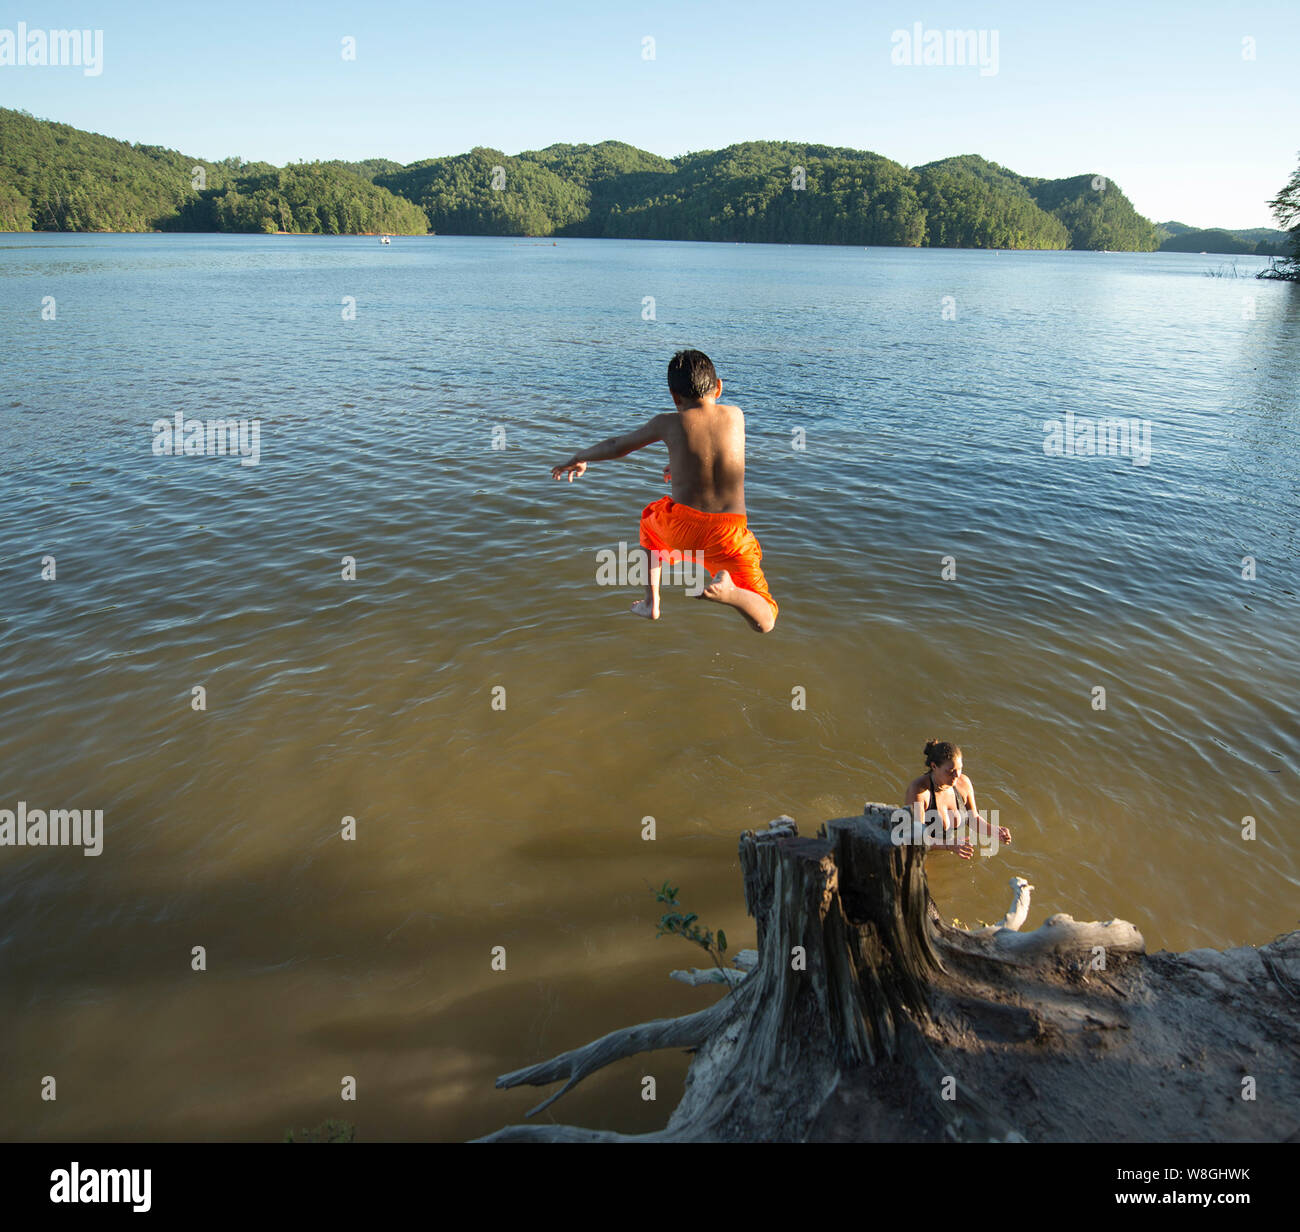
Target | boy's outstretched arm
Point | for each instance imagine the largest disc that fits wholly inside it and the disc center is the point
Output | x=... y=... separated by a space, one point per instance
x=610 y=448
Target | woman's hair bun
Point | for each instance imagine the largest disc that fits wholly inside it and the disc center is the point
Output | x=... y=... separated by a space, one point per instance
x=937 y=751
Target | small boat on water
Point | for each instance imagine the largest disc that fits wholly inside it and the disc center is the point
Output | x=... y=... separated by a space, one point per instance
x=383 y=239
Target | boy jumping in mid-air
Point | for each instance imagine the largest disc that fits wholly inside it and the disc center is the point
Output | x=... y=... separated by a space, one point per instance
x=706 y=512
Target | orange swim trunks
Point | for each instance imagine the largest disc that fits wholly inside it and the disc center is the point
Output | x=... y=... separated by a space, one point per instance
x=724 y=538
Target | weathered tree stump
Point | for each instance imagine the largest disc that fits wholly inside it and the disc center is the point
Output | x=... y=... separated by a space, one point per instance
x=860 y=989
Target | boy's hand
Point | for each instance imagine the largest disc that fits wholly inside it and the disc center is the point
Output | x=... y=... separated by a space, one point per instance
x=571 y=468
x=668 y=475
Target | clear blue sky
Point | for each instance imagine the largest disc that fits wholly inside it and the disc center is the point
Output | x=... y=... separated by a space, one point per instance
x=1156 y=96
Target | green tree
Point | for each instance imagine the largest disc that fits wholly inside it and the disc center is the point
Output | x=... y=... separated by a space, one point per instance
x=1286 y=209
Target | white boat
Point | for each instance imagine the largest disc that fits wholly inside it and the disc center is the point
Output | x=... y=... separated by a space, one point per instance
x=383 y=239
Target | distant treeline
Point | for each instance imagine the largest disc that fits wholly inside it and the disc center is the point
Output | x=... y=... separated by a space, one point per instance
x=1255 y=241
x=57 y=178
x=764 y=192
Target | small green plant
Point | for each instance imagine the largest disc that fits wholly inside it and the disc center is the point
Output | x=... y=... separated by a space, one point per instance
x=680 y=924
x=326 y=1131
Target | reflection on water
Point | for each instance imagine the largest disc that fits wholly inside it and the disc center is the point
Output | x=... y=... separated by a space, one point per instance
x=521 y=827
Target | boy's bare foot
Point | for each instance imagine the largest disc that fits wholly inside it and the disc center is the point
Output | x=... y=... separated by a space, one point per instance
x=643 y=607
x=721 y=589
x=753 y=607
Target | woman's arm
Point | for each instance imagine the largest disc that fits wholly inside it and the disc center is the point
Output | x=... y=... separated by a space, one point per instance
x=917 y=792
x=984 y=829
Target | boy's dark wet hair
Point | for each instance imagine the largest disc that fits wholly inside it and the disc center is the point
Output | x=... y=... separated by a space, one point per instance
x=691 y=374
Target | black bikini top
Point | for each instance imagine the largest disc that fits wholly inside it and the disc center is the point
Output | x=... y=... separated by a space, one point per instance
x=934 y=797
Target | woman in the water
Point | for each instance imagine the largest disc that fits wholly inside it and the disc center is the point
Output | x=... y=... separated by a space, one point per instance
x=946 y=791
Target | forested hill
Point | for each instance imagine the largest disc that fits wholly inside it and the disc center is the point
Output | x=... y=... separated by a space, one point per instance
x=766 y=192
x=1090 y=209
x=54 y=177
x=57 y=178
x=1254 y=241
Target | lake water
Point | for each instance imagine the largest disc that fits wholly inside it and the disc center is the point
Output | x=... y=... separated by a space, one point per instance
x=417 y=439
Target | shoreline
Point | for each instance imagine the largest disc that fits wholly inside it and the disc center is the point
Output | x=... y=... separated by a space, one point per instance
x=889 y=1026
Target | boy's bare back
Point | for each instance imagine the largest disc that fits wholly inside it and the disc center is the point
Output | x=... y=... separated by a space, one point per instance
x=706 y=513
x=706 y=455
